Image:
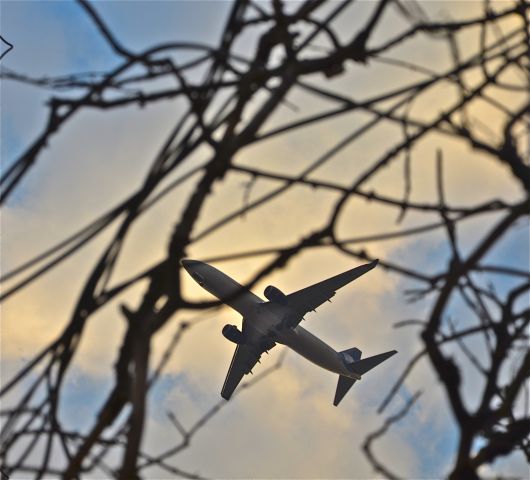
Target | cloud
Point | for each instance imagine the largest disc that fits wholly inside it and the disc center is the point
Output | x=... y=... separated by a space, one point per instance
x=284 y=419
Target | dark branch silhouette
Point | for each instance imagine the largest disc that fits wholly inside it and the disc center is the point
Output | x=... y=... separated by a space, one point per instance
x=231 y=107
x=10 y=47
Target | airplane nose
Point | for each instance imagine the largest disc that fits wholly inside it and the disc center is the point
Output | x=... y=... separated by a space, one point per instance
x=187 y=263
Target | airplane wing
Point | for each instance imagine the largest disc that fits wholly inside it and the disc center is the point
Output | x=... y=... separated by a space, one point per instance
x=244 y=359
x=309 y=298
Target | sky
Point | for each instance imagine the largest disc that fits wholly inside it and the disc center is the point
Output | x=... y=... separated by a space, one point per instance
x=285 y=426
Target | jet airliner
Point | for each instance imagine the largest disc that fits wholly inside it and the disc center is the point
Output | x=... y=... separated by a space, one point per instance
x=266 y=323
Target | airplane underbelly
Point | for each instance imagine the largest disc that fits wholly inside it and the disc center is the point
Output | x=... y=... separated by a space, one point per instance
x=312 y=348
x=231 y=293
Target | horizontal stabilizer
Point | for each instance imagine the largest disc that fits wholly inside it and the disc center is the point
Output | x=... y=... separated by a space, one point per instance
x=366 y=364
x=344 y=384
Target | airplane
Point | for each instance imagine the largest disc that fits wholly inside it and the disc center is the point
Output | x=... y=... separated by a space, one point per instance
x=277 y=321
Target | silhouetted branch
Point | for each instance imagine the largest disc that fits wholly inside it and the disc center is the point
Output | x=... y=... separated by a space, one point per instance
x=237 y=102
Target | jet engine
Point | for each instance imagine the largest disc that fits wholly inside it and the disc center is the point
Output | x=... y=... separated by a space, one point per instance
x=275 y=295
x=231 y=332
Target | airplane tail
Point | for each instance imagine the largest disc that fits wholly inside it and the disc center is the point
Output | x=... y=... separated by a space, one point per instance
x=352 y=359
x=343 y=386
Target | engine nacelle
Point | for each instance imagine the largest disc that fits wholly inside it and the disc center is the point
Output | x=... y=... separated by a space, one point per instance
x=231 y=332
x=273 y=294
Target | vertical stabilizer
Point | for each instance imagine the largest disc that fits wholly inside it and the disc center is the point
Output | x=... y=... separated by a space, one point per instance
x=352 y=360
x=351 y=355
x=345 y=383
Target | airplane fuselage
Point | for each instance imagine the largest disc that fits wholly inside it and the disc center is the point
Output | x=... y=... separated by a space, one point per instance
x=314 y=349
x=266 y=319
